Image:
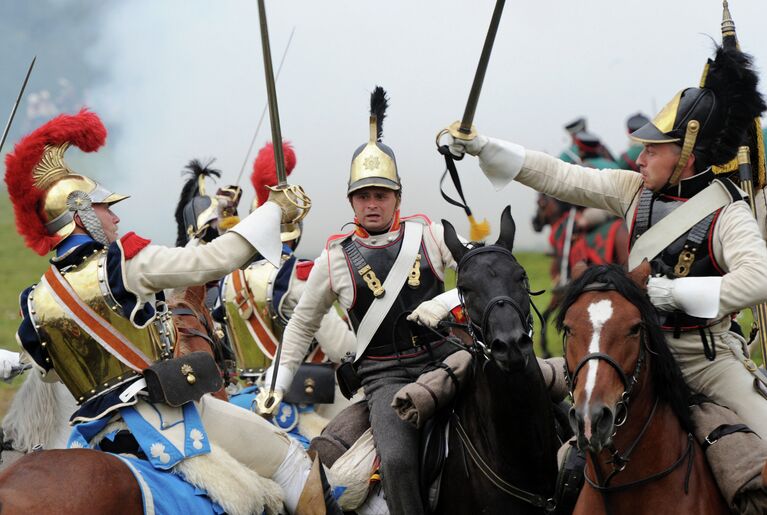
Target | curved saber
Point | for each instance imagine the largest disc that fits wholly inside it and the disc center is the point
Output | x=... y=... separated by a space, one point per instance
x=16 y=104
x=263 y=112
x=479 y=76
x=274 y=112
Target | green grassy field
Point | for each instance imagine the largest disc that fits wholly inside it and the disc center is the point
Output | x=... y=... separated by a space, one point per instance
x=20 y=267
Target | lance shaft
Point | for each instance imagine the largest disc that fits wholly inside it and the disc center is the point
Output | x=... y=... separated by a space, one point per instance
x=745 y=176
x=271 y=91
x=16 y=104
x=479 y=76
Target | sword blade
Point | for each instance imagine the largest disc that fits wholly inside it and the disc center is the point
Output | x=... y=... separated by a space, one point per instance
x=263 y=112
x=271 y=91
x=479 y=76
x=16 y=104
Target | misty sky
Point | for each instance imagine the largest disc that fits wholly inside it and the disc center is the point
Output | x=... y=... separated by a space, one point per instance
x=175 y=80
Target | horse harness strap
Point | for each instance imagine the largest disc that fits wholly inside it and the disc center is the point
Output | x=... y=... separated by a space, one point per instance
x=688 y=454
x=536 y=500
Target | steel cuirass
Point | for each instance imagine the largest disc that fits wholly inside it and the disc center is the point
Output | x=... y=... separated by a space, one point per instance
x=85 y=367
x=252 y=335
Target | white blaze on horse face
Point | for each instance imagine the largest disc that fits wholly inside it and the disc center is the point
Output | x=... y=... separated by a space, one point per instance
x=599 y=313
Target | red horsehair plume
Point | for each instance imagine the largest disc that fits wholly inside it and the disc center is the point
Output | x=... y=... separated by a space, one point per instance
x=85 y=131
x=265 y=170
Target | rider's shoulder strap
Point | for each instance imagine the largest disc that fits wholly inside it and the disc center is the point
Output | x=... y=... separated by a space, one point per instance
x=658 y=237
x=394 y=282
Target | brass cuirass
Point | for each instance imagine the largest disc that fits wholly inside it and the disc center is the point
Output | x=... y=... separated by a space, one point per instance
x=85 y=367
x=259 y=282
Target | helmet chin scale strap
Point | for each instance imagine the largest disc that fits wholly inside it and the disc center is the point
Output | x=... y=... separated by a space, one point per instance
x=690 y=137
x=80 y=203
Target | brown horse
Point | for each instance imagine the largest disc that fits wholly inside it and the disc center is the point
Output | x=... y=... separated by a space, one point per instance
x=46 y=481
x=597 y=242
x=631 y=413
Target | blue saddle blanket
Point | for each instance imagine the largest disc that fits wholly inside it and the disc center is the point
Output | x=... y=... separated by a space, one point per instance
x=166 y=493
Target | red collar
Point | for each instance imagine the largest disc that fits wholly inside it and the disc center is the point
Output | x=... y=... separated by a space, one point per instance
x=362 y=233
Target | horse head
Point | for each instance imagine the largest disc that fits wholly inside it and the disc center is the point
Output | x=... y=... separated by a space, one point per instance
x=605 y=318
x=495 y=294
x=547 y=212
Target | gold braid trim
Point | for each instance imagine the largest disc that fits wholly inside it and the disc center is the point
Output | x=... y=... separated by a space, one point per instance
x=690 y=136
x=51 y=167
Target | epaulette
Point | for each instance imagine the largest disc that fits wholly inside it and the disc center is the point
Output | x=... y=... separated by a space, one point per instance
x=132 y=244
x=735 y=192
x=303 y=268
x=337 y=239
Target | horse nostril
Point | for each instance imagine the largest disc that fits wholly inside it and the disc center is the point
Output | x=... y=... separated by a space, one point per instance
x=603 y=423
x=499 y=346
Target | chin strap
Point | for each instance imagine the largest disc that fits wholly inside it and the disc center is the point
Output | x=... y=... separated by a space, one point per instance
x=79 y=203
x=690 y=137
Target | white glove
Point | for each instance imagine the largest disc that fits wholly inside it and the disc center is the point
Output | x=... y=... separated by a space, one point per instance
x=8 y=361
x=262 y=397
x=660 y=291
x=696 y=296
x=459 y=147
x=430 y=313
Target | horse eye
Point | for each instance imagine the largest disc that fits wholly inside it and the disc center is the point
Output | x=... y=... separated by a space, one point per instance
x=635 y=329
x=566 y=329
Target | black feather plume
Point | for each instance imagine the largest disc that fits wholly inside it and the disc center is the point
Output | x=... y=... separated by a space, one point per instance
x=378 y=104
x=734 y=82
x=194 y=169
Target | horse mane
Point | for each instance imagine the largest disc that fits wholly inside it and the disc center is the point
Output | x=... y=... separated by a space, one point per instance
x=39 y=415
x=669 y=384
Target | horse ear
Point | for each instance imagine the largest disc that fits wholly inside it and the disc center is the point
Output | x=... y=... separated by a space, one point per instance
x=457 y=249
x=641 y=274
x=508 y=229
x=578 y=269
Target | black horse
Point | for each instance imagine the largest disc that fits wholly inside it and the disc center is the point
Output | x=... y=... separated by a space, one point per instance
x=503 y=443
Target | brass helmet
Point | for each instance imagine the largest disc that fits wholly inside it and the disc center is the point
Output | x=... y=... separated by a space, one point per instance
x=196 y=210
x=710 y=121
x=374 y=164
x=265 y=175
x=46 y=194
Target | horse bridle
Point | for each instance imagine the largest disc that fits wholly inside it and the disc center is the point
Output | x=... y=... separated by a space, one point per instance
x=620 y=460
x=478 y=333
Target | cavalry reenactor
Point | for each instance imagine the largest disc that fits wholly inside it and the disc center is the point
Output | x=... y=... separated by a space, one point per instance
x=695 y=228
x=628 y=159
x=259 y=300
x=201 y=218
x=385 y=267
x=571 y=153
x=98 y=322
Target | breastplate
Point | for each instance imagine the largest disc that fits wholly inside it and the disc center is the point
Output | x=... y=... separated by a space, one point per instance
x=253 y=355
x=82 y=364
x=381 y=259
x=687 y=256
